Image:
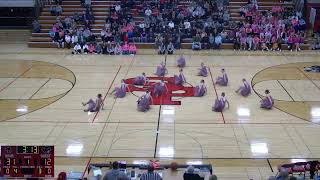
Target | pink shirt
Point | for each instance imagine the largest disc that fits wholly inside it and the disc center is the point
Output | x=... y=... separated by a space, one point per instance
x=132 y=48
x=91 y=48
x=256 y=40
x=125 y=47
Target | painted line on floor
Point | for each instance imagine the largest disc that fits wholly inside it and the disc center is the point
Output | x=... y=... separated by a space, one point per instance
x=270 y=165
x=105 y=96
x=39 y=88
x=215 y=90
x=16 y=78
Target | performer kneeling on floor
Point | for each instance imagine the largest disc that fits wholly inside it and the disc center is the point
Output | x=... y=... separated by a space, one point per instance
x=94 y=106
x=120 y=92
x=160 y=88
x=203 y=71
x=140 y=80
x=161 y=70
x=267 y=102
x=222 y=81
x=200 y=90
x=220 y=103
x=181 y=61
x=144 y=102
x=245 y=89
x=179 y=79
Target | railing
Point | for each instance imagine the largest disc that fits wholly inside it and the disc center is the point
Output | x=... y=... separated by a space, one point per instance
x=299 y=5
x=39 y=4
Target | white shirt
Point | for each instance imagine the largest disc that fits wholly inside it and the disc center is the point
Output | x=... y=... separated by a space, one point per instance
x=77 y=47
x=67 y=38
x=74 y=39
x=187 y=25
x=141 y=25
x=118 y=7
x=148 y=12
x=171 y=24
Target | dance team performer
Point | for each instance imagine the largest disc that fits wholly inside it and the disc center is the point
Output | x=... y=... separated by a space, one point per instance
x=94 y=106
x=200 y=90
x=203 y=71
x=181 y=61
x=179 y=79
x=222 y=80
x=267 y=102
x=140 y=80
x=161 y=70
x=220 y=103
x=160 y=88
x=144 y=102
x=245 y=89
x=120 y=92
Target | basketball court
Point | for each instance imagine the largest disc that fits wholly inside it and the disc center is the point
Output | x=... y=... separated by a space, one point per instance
x=41 y=91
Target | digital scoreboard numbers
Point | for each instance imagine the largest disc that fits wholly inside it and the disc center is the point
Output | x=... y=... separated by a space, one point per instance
x=27 y=161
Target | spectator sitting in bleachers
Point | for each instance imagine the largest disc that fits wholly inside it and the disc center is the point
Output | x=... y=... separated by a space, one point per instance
x=36 y=26
x=150 y=175
x=115 y=173
x=98 y=49
x=191 y=175
x=162 y=49
x=77 y=49
x=117 y=49
x=316 y=44
x=132 y=48
x=170 y=48
x=196 y=44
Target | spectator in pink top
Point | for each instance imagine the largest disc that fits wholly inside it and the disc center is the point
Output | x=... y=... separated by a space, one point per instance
x=125 y=48
x=91 y=48
x=132 y=49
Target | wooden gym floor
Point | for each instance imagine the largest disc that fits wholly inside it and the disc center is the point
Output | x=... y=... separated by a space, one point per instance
x=41 y=91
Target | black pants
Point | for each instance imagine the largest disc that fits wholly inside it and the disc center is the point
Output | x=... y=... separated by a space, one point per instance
x=76 y=51
x=236 y=45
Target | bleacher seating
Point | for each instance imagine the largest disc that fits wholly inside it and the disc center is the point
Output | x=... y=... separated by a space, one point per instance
x=101 y=9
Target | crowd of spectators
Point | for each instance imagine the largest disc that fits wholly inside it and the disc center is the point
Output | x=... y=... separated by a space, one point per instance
x=267 y=30
x=166 y=23
x=66 y=30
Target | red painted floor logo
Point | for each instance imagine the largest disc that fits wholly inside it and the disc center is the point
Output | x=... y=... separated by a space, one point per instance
x=166 y=99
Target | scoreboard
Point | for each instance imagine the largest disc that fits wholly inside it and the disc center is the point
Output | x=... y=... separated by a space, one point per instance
x=27 y=161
